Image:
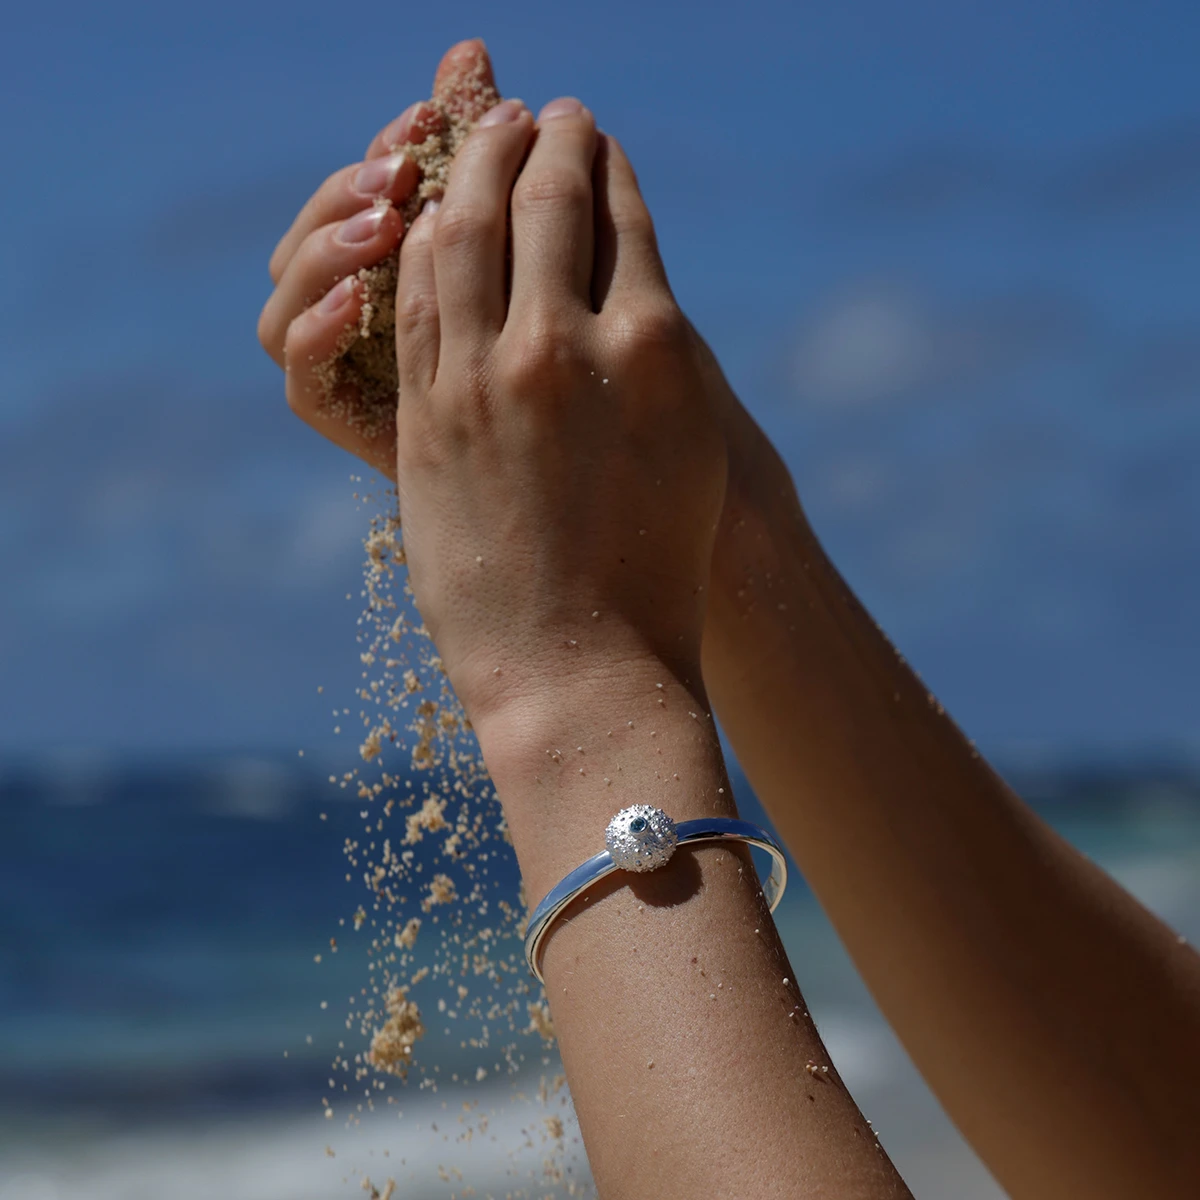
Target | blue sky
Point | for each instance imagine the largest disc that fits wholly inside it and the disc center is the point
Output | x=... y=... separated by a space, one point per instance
x=950 y=259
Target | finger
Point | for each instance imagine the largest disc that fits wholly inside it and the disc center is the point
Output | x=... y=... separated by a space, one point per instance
x=392 y=177
x=472 y=229
x=417 y=318
x=334 y=407
x=465 y=82
x=325 y=256
x=417 y=122
x=627 y=256
x=552 y=217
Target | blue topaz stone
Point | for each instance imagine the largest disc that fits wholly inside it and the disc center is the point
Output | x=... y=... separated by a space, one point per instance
x=640 y=838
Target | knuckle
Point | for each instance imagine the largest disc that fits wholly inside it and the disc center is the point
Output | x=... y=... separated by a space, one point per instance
x=291 y=349
x=307 y=395
x=299 y=400
x=418 y=445
x=474 y=381
x=655 y=328
x=550 y=188
x=268 y=332
x=459 y=225
x=634 y=221
x=415 y=309
x=616 y=147
x=300 y=394
x=540 y=362
x=468 y=391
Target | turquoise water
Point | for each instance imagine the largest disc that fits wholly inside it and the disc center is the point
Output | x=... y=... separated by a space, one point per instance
x=158 y=925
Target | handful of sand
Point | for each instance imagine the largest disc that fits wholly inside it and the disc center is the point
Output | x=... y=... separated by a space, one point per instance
x=365 y=367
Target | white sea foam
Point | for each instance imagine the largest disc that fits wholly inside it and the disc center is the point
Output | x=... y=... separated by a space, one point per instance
x=271 y=1159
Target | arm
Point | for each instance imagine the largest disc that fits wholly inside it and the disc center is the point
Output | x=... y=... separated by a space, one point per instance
x=684 y=1036
x=987 y=941
x=1055 y=1018
x=560 y=493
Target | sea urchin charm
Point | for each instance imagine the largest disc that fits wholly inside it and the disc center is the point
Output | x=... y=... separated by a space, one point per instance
x=640 y=838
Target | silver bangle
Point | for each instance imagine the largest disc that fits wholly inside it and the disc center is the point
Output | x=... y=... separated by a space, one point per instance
x=642 y=838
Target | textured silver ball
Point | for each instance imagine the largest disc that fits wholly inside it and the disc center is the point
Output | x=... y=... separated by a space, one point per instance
x=640 y=838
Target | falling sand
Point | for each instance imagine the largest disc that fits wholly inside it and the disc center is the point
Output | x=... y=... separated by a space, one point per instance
x=392 y=1046
x=421 y=780
x=444 y=917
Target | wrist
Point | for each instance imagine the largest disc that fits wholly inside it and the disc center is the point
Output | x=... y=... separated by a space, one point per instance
x=519 y=688
x=763 y=526
x=785 y=631
x=596 y=704
x=765 y=568
x=564 y=759
x=779 y=612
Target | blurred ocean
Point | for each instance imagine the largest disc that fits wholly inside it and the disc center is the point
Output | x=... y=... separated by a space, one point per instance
x=158 y=927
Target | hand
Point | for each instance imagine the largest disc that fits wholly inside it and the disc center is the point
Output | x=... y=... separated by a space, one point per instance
x=342 y=228
x=560 y=471
x=301 y=334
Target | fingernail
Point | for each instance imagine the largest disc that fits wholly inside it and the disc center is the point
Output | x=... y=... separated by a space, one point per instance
x=414 y=124
x=425 y=120
x=361 y=227
x=564 y=106
x=377 y=175
x=337 y=296
x=431 y=206
x=507 y=110
x=397 y=131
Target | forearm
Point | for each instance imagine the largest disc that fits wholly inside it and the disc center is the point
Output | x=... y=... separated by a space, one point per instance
x=693 y=1064
x=1054 y=1017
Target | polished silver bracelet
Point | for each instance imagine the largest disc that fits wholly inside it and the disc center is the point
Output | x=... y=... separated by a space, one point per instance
x=642 y=838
